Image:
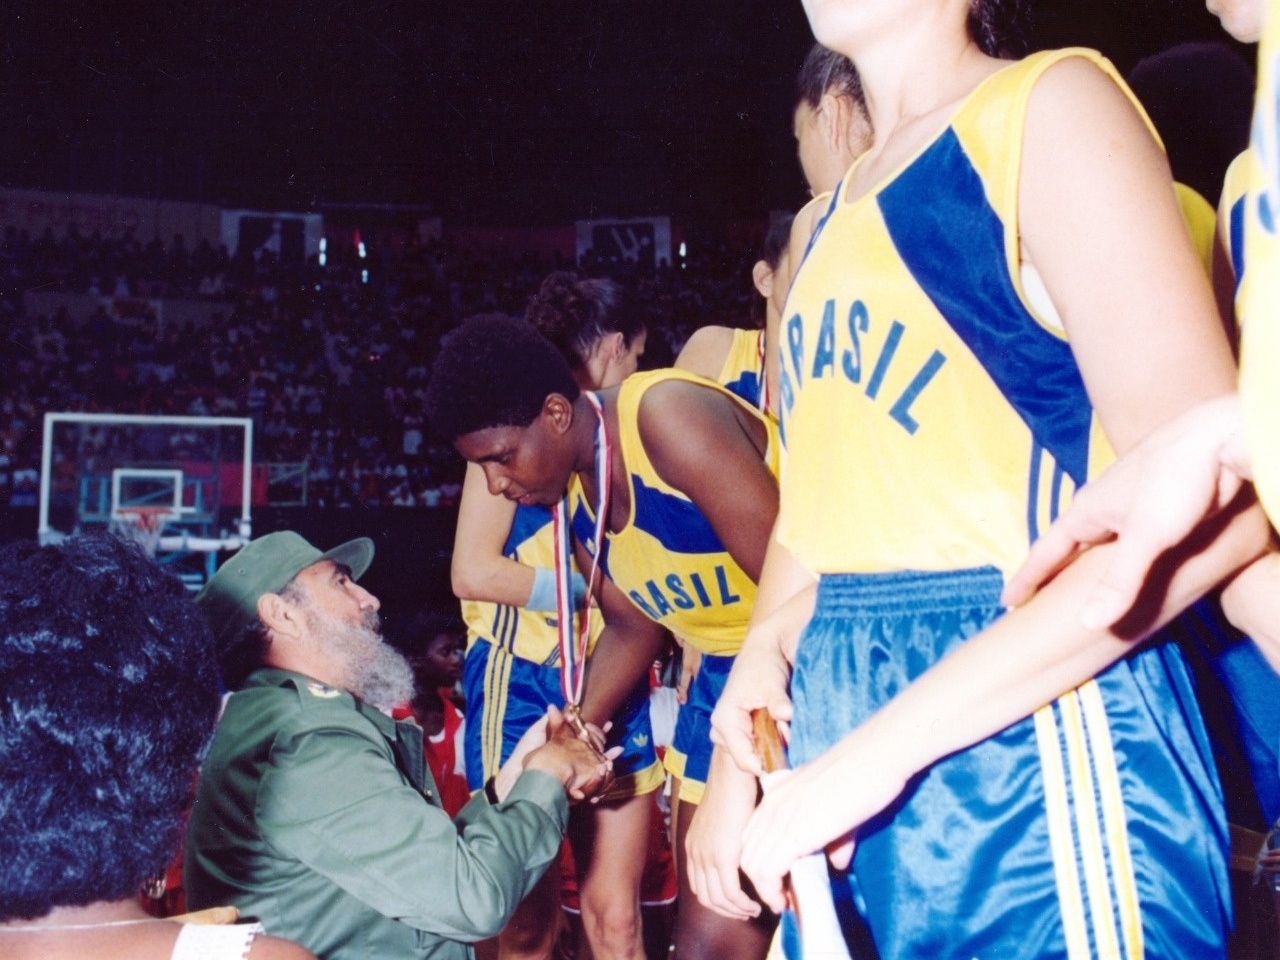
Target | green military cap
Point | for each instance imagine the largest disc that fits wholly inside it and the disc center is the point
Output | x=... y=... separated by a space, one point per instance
x=229 y=600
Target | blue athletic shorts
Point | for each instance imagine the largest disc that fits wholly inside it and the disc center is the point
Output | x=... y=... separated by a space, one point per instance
x=506 y=695
x=689 y=756
x=1092 y=829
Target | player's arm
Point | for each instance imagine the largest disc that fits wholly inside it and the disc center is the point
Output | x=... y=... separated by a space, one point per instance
x=480 y=570
x=1146 y=330
x=1224 y=290
x=1148 y=501
x=627 y=647
x=1100 y=222
x=705 y=351
x=704 y=444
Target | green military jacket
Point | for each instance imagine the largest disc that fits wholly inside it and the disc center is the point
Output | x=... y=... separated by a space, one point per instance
x=316 y=815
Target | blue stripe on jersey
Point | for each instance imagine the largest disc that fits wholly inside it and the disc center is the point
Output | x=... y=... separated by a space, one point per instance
x=1033 y=494
x=818 y=227
x=584 y=531
x=952 y=241
x=526 y=523
x=1236 y=227
x=674 y=522
x=1055 y=503
x=747 y=386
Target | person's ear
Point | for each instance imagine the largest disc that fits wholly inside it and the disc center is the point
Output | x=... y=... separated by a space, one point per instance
x=280 y=615
x=617 y=345
x=557 y=410
x=762 y=277
x=832 y=114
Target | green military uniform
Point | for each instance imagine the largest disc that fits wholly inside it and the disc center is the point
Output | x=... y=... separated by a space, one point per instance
x=317 y=816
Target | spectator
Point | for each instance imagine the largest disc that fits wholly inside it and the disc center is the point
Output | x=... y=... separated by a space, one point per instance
x=110 y=692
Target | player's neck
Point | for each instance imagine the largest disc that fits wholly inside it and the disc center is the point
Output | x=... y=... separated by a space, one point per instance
x=590 y=440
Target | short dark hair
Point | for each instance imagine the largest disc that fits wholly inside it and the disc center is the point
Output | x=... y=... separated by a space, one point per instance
x=776 y=240
x=493 y=371
x=109 y=691
x=412 y=633
x=825 y=71
x=575 y=313
x=429 y=624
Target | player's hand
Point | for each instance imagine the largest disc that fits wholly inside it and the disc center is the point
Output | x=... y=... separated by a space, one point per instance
x=713 y=844
x=690 y=661
x=1147 y=501
x=573 y=760
x=818 y=806
x=576 y=726
x=530 y=740
x=1269 y=862
x=759 y=679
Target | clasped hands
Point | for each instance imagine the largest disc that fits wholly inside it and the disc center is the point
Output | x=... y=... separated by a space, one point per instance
x=570 y=749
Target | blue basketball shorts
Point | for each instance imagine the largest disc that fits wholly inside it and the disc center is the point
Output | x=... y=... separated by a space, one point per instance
x=689 y=756
x=1091 y=829
x=506 y=695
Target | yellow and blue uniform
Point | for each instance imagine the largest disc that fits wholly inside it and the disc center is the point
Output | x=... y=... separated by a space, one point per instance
x=1247 y=224
x=669 y=561
x=1258 y=301
x=1244 y=175
x=512 y=673
x=935 y=422
x=742 y=372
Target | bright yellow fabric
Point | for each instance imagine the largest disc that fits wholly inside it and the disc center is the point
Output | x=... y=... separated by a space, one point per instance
x=932 y=420
x=667 y=559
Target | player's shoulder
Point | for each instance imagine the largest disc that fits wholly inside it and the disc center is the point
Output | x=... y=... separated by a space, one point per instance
x=287 y=697
x=706 y=350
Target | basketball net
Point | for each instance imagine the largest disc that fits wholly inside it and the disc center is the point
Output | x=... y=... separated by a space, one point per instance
x=142 y=525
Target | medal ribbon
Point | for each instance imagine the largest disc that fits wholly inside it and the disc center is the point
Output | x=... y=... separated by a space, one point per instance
x=573 y=645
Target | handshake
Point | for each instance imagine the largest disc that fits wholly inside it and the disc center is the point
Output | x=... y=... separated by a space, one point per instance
x=567 y=747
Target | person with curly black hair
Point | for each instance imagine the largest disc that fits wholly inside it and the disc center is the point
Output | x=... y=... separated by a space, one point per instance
x=110 y=694
x=502 y=571
x=669 y=478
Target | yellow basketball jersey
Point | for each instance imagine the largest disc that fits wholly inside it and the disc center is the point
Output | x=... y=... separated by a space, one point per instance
x=1201 y=221
x=1258 y=301
x=743 y=371
x=1244 y=175
x=933 y=420
x=528 y=634
x=667 y=558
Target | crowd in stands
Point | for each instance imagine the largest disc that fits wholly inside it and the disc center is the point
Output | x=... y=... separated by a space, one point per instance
x=330 y=361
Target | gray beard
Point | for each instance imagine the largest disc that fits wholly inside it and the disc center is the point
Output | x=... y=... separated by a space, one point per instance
x=376 y=673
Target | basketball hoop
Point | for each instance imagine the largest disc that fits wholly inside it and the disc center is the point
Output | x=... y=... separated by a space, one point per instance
x=141 y=524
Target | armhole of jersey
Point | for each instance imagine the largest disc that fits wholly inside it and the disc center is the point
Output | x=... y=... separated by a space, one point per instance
x=1025 y=277
x=770 y=455
x=624 y=433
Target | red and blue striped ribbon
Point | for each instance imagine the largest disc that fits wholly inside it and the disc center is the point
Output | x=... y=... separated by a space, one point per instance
x=573 y=644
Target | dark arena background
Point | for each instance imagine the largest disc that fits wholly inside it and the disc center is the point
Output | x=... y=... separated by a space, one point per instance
x=272 y=211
